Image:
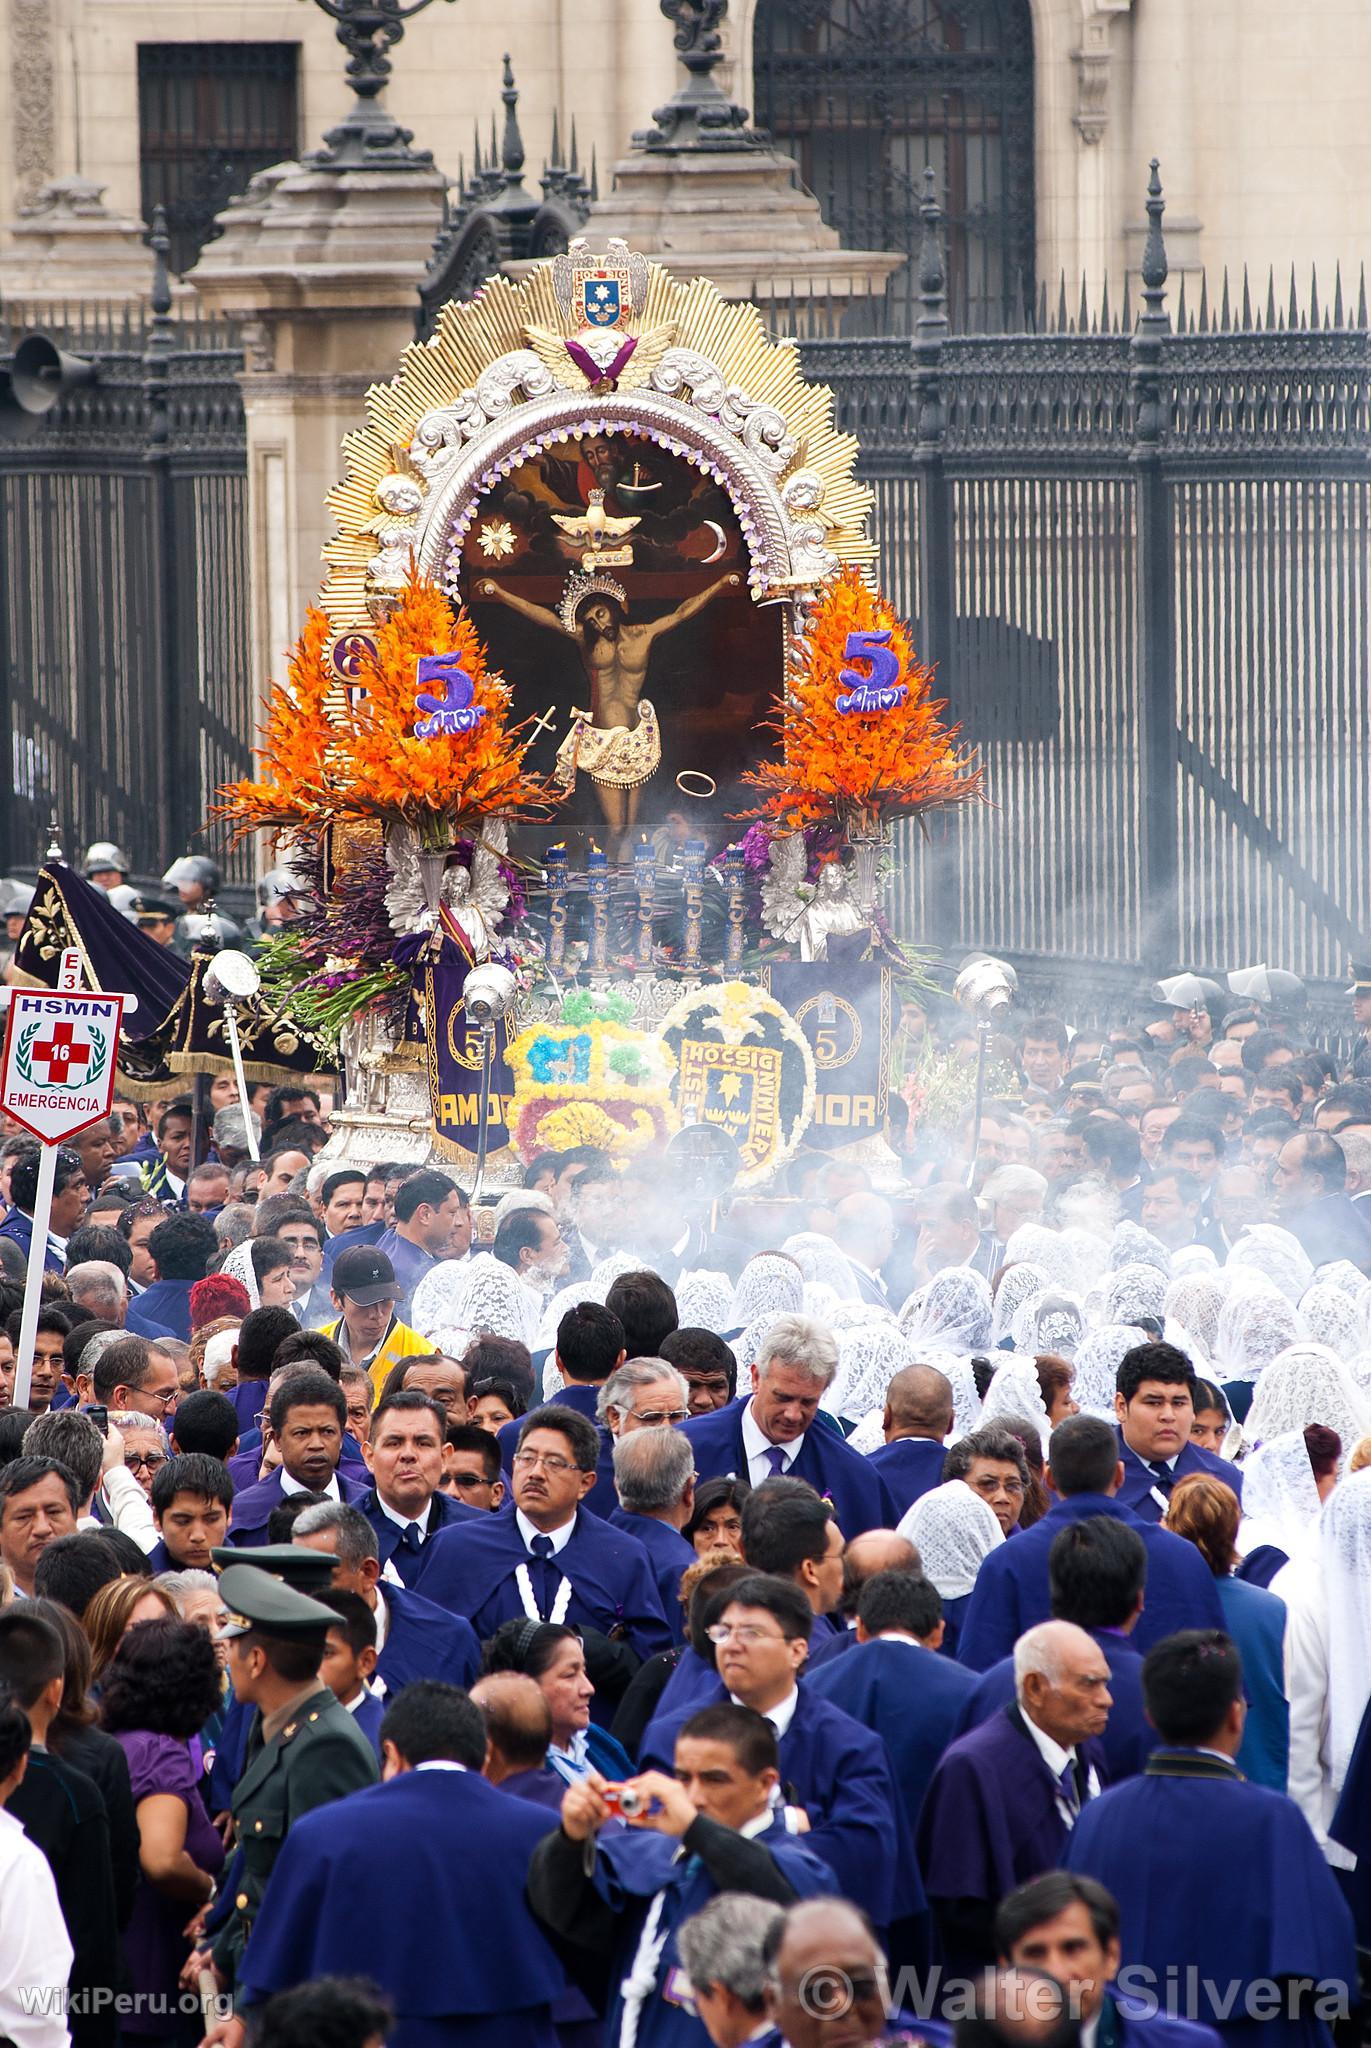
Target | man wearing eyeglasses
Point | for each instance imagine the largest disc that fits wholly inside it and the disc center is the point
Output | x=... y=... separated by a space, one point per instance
x=830 y=1765
x=405 y=1504
x=550 y=1560
x=133 y=1377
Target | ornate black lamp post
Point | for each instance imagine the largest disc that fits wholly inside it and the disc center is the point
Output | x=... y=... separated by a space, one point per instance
x=368 y=139
x=700 y=116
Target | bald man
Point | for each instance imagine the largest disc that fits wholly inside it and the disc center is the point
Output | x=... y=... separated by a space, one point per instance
x=518 y=1729
x=875 y=1550
x=1004 y=1799
x=825 y=1942
x=916 y=1425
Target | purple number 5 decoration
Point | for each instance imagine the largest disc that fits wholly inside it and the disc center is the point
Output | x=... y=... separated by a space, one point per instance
x=454 y=711
x=879 y=689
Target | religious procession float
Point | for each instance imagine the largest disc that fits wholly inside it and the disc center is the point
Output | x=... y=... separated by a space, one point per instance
x=589 y=755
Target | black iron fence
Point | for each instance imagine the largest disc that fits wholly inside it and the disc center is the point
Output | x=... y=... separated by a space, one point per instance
x=1140 y=554
x=1138 y=550
x=125 y=678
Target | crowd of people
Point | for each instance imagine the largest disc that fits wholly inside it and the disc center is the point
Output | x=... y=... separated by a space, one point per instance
x=632 y=1617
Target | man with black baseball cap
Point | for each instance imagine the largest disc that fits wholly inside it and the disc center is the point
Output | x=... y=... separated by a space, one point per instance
x=311 y=1750
x=370 y=1333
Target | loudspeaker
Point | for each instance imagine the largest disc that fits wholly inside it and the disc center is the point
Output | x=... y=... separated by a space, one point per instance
x=42 y=373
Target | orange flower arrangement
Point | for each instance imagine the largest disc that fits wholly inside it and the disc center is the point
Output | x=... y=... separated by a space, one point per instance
x=296 y=741
x=859 y=768
x=366 y=760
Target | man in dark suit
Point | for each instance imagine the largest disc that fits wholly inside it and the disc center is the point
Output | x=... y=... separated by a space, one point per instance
x=405 y=1504
x=1012 y=1590
x=1310 y=1179
x=549 y=1560
x=308 y=1415
x=864 y=1230
x=1001 y=1804
x=414 y=1638
x=916 y=1424
x=776 y=1428
x=1155 y=1406
x=590 y=1344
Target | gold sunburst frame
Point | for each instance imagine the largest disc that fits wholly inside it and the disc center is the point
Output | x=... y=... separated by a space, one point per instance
x=518 y=367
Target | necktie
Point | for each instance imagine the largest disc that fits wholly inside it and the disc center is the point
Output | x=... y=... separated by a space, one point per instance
x=411 y=1537
x=541 y=1546
x=775 y=1457
x=1165 y=1478
x=1070 y=1789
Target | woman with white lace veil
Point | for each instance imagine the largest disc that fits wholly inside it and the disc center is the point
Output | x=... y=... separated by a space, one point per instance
x=954 y=1531
x=1135 y=1292
x=1016 y=1390
x=1094 y=1378
x=868 y=1360
x=1256 y=1323
x=1017 y=1285
x=1131 y=1245
x=1306 y=1383
x=950 y=1312
x=1194 y=1304
x=770 y=1284
x=705 y=1301
x=1332 y=1318
x=819 y=1259
x=1051 y=1321
x=1275 y=1254
x=1280 y=1497
x=1046 y=1248
x=239 y=1266
x=479 y=1296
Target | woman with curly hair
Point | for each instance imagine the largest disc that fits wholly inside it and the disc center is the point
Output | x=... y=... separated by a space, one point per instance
x=161 y=1686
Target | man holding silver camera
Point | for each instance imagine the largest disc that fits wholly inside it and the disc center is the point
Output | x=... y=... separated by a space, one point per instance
x=713 y=1827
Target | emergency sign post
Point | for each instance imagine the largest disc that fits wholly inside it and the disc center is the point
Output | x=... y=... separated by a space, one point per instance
x=58 y=1077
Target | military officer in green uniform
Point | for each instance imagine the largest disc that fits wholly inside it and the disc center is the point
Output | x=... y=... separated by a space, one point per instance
x=305 y=1749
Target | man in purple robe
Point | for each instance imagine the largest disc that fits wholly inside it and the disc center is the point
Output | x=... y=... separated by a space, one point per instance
x=1002 y=1803
x=777 y=1428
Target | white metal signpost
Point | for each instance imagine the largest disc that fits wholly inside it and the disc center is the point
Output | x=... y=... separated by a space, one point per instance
x=58 y=1077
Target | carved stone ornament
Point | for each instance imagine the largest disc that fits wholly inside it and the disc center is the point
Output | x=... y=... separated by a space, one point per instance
x=591 y=344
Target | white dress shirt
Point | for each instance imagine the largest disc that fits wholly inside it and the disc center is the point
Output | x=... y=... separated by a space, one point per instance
x=781 y=1715
x=402 y=1522
x=559 y=1537
x=289 y=1485
x=756 y=1446
x=1056 y=1758
x=35 y=1952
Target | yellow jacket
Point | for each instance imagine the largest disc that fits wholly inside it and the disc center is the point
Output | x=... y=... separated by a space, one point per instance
x=400 y=1342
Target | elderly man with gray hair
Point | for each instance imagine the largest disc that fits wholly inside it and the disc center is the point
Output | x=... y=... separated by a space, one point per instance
x=1002 y=1802
x=98 y=1284
x=642 y=1393
x=721 y=1953
x=654 y=1475
x=777 y=1426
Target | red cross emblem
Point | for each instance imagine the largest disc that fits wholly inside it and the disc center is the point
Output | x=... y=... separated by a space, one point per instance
x=61 y=1053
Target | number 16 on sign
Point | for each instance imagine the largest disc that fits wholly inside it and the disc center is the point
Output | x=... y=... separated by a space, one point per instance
x=58 y=1077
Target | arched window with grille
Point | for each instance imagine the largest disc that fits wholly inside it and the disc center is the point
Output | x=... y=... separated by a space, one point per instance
x=865 y=93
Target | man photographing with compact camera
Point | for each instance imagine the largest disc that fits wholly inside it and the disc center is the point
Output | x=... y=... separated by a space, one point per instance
x=713 y=1827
